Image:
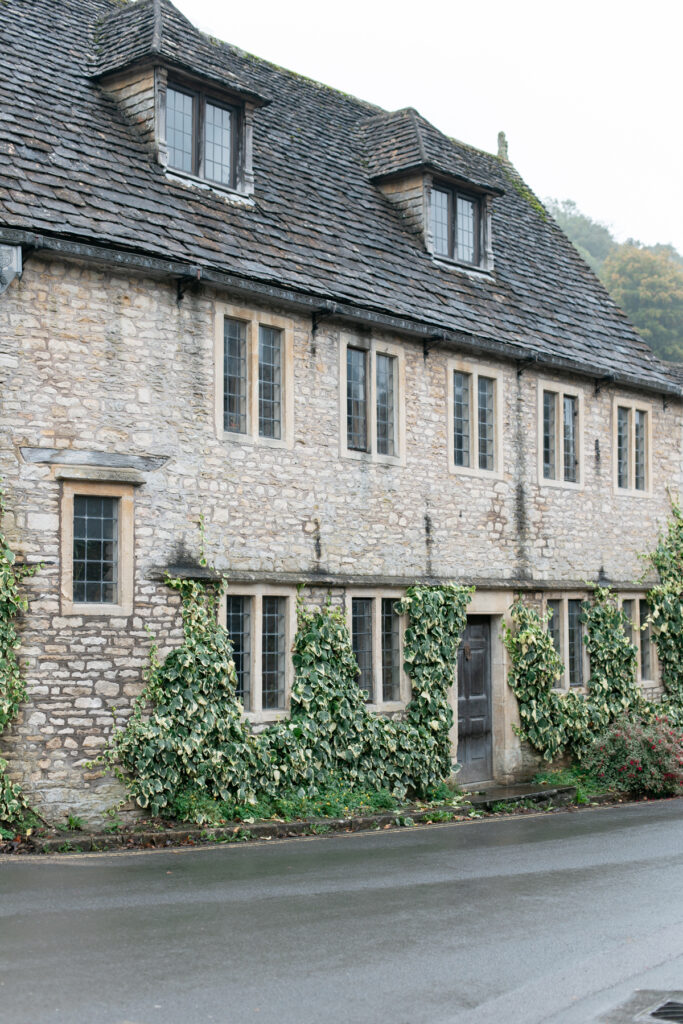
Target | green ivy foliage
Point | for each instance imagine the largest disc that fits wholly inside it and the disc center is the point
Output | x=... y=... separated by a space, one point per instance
x=548 y=717
x=186 y=730
x=13 y=804
x=437 y=620
x=613 y=690
x=666 y=604
x=188 y=734
x=556 y=721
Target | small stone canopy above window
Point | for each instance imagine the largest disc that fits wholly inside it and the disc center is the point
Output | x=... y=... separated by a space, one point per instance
x=94 y=466
x=441 y=187
x=177 y=86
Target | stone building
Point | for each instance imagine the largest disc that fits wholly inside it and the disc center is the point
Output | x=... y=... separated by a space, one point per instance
x=362 y=351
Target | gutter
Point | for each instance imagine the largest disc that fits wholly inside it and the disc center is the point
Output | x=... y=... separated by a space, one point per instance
x=317 y=306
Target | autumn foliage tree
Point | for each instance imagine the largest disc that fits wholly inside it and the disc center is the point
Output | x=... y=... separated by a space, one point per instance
x=648 y=285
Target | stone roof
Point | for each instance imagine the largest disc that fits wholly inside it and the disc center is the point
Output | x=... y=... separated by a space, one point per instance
x=676 y=372
x=403 y=140
x=73 y=167
x=150 y=29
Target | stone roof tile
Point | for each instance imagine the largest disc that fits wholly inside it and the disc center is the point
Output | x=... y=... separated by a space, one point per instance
x=140 y=32
x=318 y=224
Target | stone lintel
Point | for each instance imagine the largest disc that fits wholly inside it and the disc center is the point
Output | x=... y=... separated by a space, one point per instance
x=93 y=474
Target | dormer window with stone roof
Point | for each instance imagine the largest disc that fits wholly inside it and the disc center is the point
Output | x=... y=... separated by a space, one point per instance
x=192 y=108
x=442 y=188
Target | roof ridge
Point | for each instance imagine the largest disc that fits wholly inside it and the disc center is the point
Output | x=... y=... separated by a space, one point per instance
x=414 y=115
x=158 y=27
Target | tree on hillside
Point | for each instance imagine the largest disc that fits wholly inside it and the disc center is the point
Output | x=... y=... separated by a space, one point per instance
x=646 y=281
x=593 y=240
x=648 y=285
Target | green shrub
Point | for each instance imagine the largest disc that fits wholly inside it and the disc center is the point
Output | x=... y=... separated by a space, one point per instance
x=637 y=757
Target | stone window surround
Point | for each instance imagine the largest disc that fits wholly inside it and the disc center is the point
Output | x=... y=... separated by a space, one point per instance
x=633 y=406
x=564 y=597
x=124 y=494
x=253 y=319
x=476 y=370
x=374 y=347
x=572 y=392
x=257 y=591
x=637 y=596
x=376 y=595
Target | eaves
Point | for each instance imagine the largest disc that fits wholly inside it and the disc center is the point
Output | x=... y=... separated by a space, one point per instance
x=329 y=308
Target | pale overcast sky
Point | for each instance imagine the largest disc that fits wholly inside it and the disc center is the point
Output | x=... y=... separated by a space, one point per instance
x=589 y=93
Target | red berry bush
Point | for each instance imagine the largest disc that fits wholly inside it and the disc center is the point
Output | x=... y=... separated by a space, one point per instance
x=636 y=757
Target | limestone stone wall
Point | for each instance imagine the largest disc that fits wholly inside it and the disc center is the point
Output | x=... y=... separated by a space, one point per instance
x=100 y=361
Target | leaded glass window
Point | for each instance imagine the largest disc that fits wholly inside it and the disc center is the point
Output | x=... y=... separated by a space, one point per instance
x=645 y=641
x=575 y=643
x=95 y=549
x=440 y=221
x=361 y=636
x=270 y=382
x=386 y=432
x=632 y=448
x=455 y=227
x=465 y=225
x=486 y=387
x=218 y=144
x=238 y=625
x=640 y=447
x=627 y=608
x=235 y=376
x=200 y=136
x=180 y=129
x=273 y=653
x=391 y=651
x=356 y=400
x=570 y=404
x=560 y=440
x=461 y=418
x=549 y=435
x=623 y=416
x=555 y=624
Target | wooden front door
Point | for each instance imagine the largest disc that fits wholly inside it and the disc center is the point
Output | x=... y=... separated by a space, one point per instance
x=475 y=748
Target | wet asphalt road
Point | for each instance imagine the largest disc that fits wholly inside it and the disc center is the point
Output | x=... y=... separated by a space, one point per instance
x=532 y=919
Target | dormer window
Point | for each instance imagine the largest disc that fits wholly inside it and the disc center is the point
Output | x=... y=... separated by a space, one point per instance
x=455 y=223
x=201 y=136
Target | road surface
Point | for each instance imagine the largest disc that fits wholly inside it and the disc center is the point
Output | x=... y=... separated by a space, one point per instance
x=550 y=918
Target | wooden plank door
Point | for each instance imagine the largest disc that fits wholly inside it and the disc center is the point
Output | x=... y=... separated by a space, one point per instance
x=475 y=746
